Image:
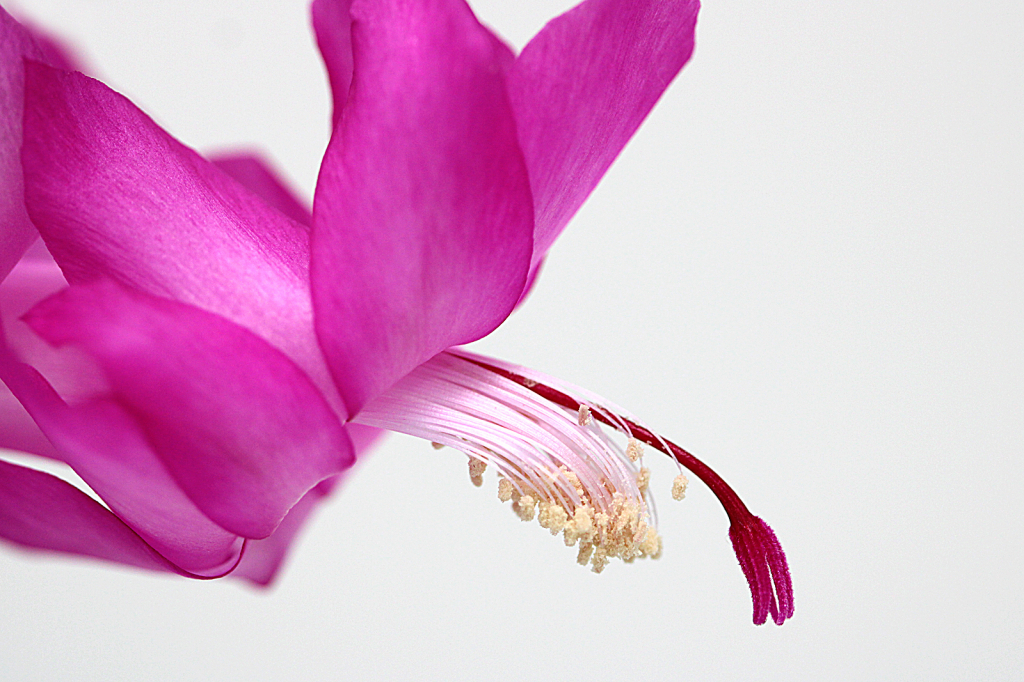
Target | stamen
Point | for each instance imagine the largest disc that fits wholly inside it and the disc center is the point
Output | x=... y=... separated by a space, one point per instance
x=505 y=490
x=643 y=479
x=634 y=450
x=573 y=479
x=476 y=471
x=679 y=487
x=524 y=507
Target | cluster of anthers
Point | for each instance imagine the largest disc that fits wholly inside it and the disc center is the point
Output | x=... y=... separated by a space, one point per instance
x=556 y=463
x=623 y=529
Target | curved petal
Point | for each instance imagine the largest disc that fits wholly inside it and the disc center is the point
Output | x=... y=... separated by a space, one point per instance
x=115 y=196
x=257 y=175
x=422 y=219
x=16 y=43
x=105 y=446
x=581 y=88
x=263 y=558
x=41 y=511
x=332 y=24
x=98 y=440
x=239 y=426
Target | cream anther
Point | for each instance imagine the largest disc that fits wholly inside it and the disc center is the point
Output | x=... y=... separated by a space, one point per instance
x=586 y=550
x=634 y=450
x=679 y=487
x=505 y=490
x=643 y=479
x=585 y=417
x=524 y=507
x=476 y=471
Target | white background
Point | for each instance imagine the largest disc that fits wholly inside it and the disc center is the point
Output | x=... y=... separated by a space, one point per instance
x=806 y=268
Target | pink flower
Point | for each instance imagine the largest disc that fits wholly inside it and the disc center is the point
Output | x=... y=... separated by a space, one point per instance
x=221 y=356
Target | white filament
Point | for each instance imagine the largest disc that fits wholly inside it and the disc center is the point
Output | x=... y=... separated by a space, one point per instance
x=529 y=440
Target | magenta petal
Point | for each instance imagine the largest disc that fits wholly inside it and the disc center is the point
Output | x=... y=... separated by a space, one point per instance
x=257 y=175
x=16 y=43
x=105 y=446
x=422 y=220
x=240 y=427
x=29 y=282
x=115 y=196
x=41 y=511
x=263 y=558
x=33 y=279
x=581 y=88
x=333 y=26
x=17 y=429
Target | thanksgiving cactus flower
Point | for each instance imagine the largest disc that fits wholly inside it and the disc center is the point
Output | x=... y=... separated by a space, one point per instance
x=209 y=356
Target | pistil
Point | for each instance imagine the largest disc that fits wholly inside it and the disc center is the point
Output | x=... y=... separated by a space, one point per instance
x=756 y=546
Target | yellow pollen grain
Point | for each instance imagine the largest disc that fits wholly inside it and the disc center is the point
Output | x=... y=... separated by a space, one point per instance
x=599 y=560
x=583 y=524
x=651 y=544
x=643 y=479
x=626 y=518
x=575 y=482
x=679 y=487
x=634 y=450
x=543 y=510
x=585 y=418
x=586 y=550
x=505 y=490
x=601 y=525
x=618 y=502
x=524 y=507
x=476 y=471
x=570 y=535
x=557 y=518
